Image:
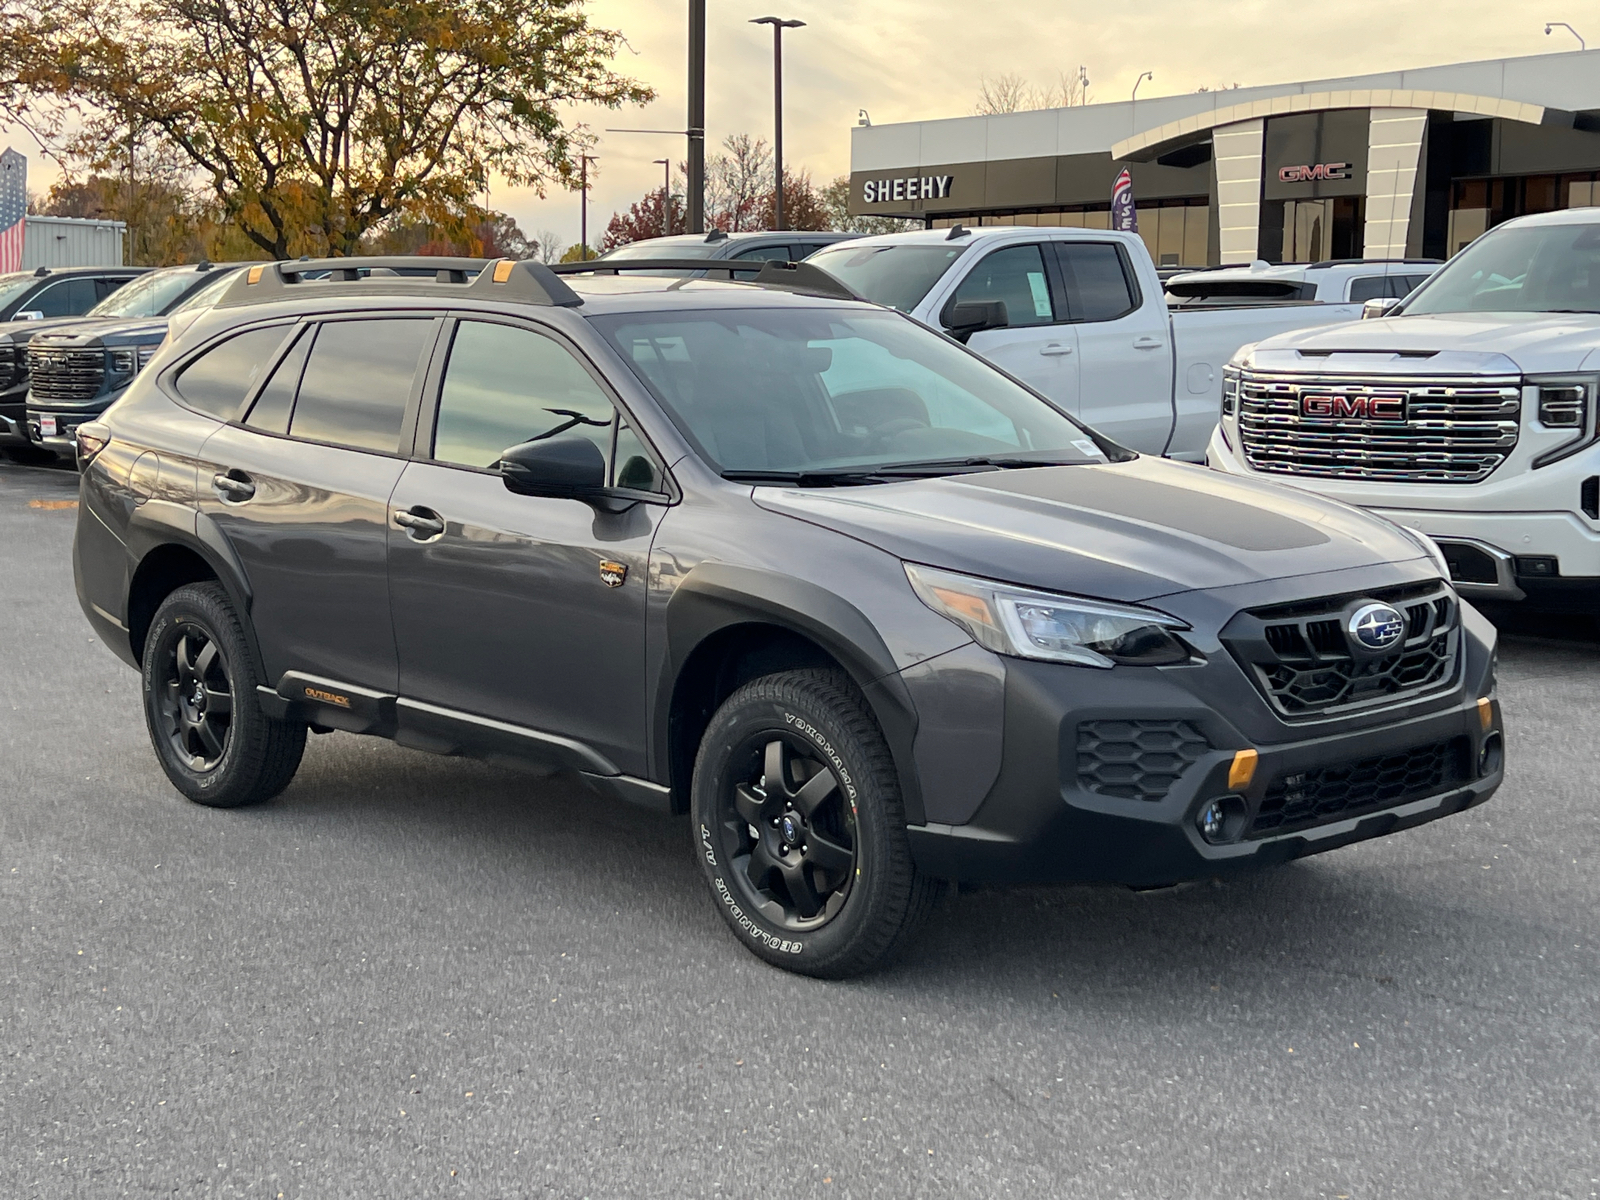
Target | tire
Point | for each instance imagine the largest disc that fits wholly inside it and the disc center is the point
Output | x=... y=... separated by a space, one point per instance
x=199 y=683
x=800 y=827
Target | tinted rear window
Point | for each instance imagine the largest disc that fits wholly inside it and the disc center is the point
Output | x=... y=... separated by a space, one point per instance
x=1098 y=288
x=898 y=276
x=357 y=382
x=218 y=381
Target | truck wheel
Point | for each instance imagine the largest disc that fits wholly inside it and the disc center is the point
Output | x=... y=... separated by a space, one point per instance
x=800 y=828
x=209 y=733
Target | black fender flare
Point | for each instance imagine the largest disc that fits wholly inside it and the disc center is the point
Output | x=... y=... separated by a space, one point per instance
x=716 y=596
x=158 y=523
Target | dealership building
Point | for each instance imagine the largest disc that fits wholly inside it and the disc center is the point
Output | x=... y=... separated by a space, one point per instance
x=1402 y=164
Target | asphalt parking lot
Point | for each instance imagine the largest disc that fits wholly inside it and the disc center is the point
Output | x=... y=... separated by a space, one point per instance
x=412 y=976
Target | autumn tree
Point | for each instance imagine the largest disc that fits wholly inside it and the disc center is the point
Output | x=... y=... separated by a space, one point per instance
x=836 y=199
x=645 y=218
x=738 y=181
x=1012 y=93
x=313 y=122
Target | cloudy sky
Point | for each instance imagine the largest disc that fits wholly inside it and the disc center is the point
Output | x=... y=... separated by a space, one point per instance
x=905 y=60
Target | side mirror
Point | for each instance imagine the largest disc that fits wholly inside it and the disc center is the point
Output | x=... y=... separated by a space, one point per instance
x=1378 y=306
x=974 y=316
x=570 y=467
x=30 y=314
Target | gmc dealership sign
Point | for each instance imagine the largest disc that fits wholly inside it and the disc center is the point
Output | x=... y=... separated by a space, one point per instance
x=915 y=187
x=1310 y=174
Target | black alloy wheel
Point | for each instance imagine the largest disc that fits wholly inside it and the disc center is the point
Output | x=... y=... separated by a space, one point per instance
x=790 y=833
x=195 y=700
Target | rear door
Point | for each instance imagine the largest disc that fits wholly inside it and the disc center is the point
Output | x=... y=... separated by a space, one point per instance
x=300 y=490
x=523 y=611
x=1038 y=345
x=1125 y=359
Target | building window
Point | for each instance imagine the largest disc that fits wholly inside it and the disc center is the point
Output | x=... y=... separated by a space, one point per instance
x=1478 y=205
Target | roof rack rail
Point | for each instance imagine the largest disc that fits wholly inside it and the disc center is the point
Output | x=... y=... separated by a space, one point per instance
x=1356 y=262
x=502 y=278
x=803 y=278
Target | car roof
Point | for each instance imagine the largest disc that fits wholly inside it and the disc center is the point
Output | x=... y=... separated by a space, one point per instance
x=69 y=272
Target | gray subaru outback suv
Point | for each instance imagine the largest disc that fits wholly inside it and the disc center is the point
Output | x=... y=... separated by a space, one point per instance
x=872 y=613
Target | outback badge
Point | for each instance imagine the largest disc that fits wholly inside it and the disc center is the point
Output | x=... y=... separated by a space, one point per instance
x=613 y=574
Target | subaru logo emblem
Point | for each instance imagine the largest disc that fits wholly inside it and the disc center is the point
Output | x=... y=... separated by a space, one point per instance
x=1376 y=626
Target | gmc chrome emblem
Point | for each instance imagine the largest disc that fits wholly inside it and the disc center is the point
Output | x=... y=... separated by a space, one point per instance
x=1369 y=406
x=1314 y=172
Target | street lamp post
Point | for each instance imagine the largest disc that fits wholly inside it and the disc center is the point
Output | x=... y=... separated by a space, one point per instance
x=1138 y=81
x=666 y=195
x=778 y=26
x=1549 y=25
x=694 y=185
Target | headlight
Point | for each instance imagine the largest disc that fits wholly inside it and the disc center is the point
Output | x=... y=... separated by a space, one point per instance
x=1563 y=405
x=1230 y=389
x=124 y=362
x=1048 y=626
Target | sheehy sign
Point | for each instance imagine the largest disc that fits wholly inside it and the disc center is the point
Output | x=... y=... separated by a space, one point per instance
x=1313 y=172
x=912 y=187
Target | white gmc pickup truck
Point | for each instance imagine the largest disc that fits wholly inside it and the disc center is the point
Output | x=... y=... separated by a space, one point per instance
x=1079 y=315
x=1467 y=413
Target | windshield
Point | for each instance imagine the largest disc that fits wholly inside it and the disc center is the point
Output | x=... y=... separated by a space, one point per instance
x=895 y=276
x=1530 y=268
x=13 y=286
x=207 y=293
x=792 y=391
x=663 y=250
x=147 y=296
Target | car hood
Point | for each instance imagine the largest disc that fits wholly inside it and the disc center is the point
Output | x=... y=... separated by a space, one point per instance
x=20 y=332
x=109 y=331
x=1122 y=531
x=1447 y=343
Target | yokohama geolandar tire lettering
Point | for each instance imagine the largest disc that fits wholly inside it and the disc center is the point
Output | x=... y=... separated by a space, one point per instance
x=212 y=739
x=800 y=829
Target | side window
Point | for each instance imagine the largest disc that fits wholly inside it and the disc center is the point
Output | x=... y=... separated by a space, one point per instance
x=357 y=382
x=217 y=382
x=1369 y=287
x=1017 y=276
x=53 y=301
x=1402 y=286
x=105 y=285
x=1098 y=286
x=768 y=253
x=504 y=386
x=270 y=412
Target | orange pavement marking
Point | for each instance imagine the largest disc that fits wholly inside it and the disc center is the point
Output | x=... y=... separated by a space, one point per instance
x=52 y=505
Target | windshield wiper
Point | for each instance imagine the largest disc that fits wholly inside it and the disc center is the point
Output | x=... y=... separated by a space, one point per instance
x=888 y=472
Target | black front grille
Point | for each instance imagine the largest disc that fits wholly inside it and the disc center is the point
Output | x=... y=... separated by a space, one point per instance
x=1137 y=760
x=1339 y=790
x=8 y=364
x=65 y=374
x=1299 y=656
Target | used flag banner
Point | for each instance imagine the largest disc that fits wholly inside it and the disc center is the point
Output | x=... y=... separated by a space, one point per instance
x=13 y=209
x=1123 y=215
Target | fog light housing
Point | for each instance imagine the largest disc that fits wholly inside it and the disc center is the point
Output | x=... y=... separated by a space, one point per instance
x=1491 y=755
x=1221 y=820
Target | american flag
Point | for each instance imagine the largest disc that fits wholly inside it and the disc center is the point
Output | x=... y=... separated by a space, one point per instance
x=13 y=208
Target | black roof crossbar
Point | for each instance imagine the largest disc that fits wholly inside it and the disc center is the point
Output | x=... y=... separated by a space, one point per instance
x=414 y=274
x=802 y=278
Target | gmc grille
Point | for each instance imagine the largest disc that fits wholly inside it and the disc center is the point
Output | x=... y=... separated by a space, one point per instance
x=1339 y=790
x=1299 y=657
x=8 y=364
x=1453 y=431
x=65 y=374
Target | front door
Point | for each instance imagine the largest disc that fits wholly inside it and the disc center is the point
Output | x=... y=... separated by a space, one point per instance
x=1037 y=345
x=300 y=490
x=1124 y=347
x=522 y=610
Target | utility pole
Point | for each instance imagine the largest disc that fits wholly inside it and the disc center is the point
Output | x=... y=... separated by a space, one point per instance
x=778 y=26
x=583 y=205
x=695 y=186
x=666 y=195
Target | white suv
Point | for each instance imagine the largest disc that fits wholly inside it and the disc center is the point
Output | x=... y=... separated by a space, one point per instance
x=1468 y=413
x=1338 y=281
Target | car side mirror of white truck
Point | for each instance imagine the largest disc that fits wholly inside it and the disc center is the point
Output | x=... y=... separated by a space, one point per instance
x=1378 y=306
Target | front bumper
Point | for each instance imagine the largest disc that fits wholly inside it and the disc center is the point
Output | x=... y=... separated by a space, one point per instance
x=66 y=420
x=1042 y=822
x=13 y=417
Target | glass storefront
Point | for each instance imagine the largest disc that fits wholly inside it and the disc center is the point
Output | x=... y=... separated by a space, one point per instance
x=1319 y=230
x=1174 y=231
x=1478 y=205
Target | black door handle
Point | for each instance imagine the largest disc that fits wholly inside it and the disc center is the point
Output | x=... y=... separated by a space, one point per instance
x=419 y=523
x=233 y=485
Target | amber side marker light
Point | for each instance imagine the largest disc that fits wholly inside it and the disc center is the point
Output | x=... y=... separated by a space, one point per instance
x=502 y=270
x=1243 y=770
x=254 y=275
x=1485 y=713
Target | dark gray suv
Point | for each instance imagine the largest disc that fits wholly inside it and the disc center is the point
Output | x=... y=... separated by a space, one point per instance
x=874 y=614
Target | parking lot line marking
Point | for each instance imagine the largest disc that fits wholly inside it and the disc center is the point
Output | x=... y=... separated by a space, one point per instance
x=52 y=505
